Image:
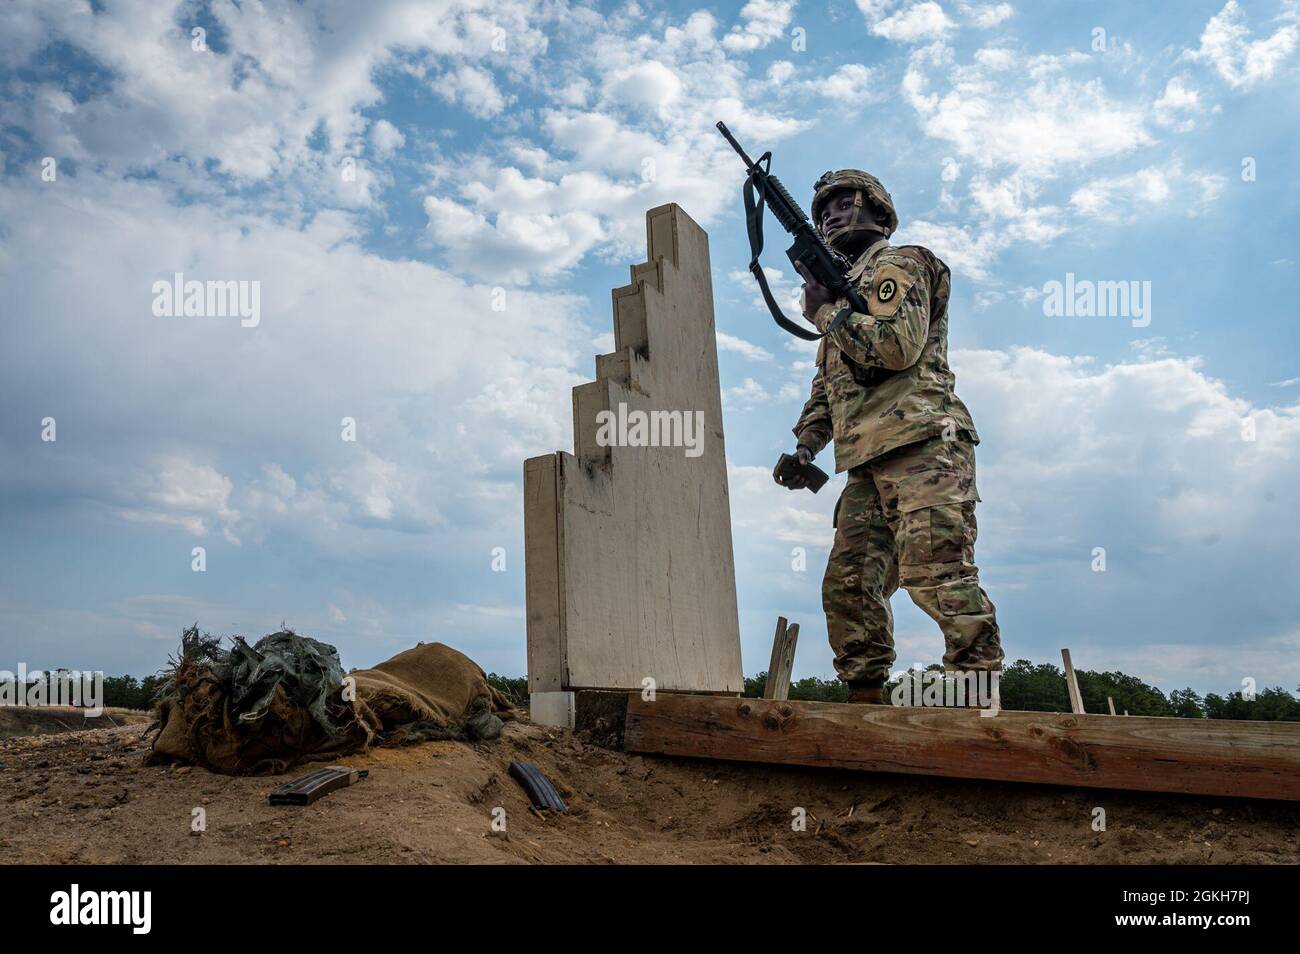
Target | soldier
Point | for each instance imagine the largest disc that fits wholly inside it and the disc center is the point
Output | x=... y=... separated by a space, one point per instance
x=883 y=392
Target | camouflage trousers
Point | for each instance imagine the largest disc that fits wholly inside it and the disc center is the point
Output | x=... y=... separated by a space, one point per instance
x=908 y=517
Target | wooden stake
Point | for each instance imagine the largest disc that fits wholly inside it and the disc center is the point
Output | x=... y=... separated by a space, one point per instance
x=1071 y=683
x=782 y=664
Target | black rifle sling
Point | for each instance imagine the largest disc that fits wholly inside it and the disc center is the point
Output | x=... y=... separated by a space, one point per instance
x=754 y=223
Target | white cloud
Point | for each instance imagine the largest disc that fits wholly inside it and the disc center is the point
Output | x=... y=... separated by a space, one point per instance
x=764 y=21
x=1164 y=440
x=780 y=72
x=177 y=491
x=1271 y=660
x=967 y=250
x=746 y=396
x=995 y=58
x=472 y=88
x=1162 y=427
x=649 y=84
x=746 y=349
x=254 y=108
x=1012 y=200
x=1178 y=104
x=513 y=246
x=994 y=118
x=914 y=23
x=386 y=138
x=1031 y=124
x=605 y=163
x=852 y=85
x=986 y=298
x=787 y=289
x=988 y=15
x=763 y=511
x=1242 y=62
x=1125 y=198
x=343 y=333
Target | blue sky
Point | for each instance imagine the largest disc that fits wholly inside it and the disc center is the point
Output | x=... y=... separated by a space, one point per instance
x=383 y=169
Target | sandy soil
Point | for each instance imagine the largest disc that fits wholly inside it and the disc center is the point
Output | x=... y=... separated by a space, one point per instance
x=87 y=797
x=43 y=720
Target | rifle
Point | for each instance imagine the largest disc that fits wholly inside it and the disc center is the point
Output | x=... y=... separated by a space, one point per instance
x=825 y=264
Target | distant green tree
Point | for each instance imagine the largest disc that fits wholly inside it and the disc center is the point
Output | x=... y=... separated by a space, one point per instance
x=819 y=690
x=1129 y=693
x=151 y=688
x=810 y=689
x=1186 y=704
x=122 y=691
x=515 y=689
x=1031 y=687
x=1269 y=705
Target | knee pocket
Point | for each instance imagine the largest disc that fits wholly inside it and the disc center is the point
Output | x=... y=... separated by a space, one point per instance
x=960 y=598
x=944 y=533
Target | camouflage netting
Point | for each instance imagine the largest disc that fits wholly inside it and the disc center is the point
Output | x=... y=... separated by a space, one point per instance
x=251 y=710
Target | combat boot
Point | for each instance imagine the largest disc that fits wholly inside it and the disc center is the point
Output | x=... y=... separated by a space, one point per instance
x=871 y=695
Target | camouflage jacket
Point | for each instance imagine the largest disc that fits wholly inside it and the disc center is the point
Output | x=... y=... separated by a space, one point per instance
x=882 y=378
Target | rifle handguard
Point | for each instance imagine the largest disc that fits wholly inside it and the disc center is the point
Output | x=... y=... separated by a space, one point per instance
x=809 y=249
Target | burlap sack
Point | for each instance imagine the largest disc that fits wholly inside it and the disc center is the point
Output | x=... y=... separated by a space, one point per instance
x=427 y=688
x=206 y=718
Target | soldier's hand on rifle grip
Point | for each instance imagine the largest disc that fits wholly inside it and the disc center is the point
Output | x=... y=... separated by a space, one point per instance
x=815 y=294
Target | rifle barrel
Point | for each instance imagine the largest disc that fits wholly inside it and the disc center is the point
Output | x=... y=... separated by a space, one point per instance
x=726 y=133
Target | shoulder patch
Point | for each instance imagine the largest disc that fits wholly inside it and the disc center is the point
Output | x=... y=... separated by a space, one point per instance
x=890 y=284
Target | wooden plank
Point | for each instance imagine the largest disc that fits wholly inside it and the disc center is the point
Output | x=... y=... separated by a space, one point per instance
x=646 y=564
x=787 y=665
x=782 y=664
x=1145 y=753
x=1072 y=684
x=1111 y=702
x=774 y=665
x=543 y=574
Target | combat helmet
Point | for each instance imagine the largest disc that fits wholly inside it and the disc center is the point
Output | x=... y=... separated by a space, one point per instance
x=866 y=187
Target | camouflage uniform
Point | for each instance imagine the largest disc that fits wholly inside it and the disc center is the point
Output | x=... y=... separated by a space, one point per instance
x=884 y=392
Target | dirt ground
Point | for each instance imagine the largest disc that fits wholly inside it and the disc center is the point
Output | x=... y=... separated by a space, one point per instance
x=42 y=720
x=87 y=797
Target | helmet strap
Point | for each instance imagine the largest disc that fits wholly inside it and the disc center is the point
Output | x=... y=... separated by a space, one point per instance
x=857 y=224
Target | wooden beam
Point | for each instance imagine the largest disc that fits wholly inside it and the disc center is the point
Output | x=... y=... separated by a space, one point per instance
x=1111 y=702
x=782 y=664
x=1145 y=753
x=1072 y=684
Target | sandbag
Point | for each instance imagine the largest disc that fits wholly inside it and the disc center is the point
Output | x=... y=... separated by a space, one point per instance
x=260 y=709
x=431 y=691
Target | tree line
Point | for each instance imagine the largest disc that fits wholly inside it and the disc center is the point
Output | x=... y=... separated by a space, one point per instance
x=1040 y=687
x=1025 y=686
